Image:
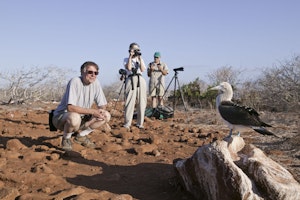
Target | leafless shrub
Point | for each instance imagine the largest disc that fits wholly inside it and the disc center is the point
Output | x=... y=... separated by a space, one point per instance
x=114 y=91
x=225 y=73
x=33 y=84
x=280 y=86
x=249 y=94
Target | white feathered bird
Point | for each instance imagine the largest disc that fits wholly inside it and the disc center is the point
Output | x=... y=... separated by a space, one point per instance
x=237 y=117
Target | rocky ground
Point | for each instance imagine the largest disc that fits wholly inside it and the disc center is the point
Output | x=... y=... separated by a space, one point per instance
x=136 y=164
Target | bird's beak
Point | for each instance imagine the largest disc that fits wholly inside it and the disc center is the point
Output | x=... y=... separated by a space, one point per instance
x=215 y=88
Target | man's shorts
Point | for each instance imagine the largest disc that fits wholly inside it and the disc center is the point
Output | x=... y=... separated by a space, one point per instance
x=57 y=119
x=157 y=91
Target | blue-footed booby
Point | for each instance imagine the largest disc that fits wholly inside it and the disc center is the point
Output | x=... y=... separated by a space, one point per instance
x=237 y=117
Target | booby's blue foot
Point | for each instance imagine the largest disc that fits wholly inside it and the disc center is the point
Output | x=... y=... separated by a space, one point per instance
x=230 y=134
x=239 y=134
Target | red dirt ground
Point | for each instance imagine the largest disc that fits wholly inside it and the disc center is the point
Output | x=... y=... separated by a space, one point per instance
x=136 y=164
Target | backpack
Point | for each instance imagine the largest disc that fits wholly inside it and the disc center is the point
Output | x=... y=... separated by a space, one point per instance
x=160 y=112
x=51 y=126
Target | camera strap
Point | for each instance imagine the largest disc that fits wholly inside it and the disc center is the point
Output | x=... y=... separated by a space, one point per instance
x=131 y=77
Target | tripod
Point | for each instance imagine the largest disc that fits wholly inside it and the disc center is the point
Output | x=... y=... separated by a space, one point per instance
x=175 y=77
x=123 y=84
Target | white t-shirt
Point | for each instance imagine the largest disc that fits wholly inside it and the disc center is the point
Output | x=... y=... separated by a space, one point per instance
x=135 y=64
x=81 y=95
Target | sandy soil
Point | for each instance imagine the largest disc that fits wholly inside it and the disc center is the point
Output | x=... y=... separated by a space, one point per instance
x=136 y=164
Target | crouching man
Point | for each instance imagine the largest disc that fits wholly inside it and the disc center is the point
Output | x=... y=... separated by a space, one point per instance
x=75 y=112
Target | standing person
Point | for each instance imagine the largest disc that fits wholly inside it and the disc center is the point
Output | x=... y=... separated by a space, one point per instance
x=135 y=86
x=157 y=71
x=75 y=112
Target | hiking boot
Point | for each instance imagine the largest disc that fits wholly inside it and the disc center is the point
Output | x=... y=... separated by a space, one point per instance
x=66 y=144
x=140 y=126
x=84 y=141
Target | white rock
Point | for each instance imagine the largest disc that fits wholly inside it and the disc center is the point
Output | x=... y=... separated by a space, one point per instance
x=222 y=171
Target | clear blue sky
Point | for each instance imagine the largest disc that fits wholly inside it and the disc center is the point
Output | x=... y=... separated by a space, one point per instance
x=199 y=35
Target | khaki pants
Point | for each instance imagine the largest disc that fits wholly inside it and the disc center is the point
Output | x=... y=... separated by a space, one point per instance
x=136 y=95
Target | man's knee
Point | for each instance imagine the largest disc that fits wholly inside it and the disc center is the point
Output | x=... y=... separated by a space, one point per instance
x=73 y=119
x=107 y=116
x=94 y=123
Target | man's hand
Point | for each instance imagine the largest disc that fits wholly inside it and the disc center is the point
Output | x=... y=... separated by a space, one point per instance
x=99 y=114
x=152 y=67
x=159 y=66
x=131 y=53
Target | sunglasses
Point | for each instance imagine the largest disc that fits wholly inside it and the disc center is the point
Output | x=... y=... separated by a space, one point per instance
x=93 y=72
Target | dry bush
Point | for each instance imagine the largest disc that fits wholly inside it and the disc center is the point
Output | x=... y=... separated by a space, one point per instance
x=280 y=86
x=33 y=84
x=225 y=73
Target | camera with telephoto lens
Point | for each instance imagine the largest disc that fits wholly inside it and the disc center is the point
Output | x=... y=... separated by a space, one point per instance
x=178 y=69
x=122 y=72
x=137 y=52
